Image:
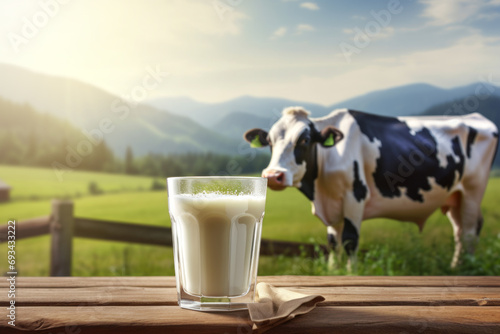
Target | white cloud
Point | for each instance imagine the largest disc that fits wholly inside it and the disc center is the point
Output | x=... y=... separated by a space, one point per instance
x=309 y=5
x=177 y=35
x=385 y=32
x=299 y=30
x=322 y=78
x=475 y=57
x=209 y=61
x=302 y=28
x=227 y=21
x=278 y=33
x=444 y=12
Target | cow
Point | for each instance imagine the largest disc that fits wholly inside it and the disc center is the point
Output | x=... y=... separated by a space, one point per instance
x=355 y=166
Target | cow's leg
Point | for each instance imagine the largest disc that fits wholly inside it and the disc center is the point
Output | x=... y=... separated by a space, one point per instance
x=353 y=215
x=333 y=234
x=472 y=222
x=456 y=222
x=466 y=219
x=350 y=241
x=350 y=237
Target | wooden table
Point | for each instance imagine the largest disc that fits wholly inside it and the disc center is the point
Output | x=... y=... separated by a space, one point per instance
x=400 y=305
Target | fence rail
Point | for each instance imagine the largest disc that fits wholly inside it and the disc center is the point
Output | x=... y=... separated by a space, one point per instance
x=63 y=226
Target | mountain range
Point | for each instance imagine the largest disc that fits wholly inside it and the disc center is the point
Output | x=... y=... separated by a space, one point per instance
x=91 y=109
x=181 y=124
x=263 y=112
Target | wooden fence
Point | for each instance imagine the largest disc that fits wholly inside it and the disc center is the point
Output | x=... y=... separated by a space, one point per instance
x=62 y=225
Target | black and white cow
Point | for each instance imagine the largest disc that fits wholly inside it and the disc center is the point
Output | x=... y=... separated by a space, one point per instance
x=355 y=166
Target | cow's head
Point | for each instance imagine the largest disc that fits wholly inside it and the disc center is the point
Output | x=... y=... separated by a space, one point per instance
x=293 y=140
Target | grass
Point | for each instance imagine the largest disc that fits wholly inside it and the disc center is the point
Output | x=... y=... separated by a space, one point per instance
x=386 y=247
x=42 y=183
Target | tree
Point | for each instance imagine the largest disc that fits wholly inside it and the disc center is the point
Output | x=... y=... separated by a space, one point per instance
x=129 y=161
x=149 y=165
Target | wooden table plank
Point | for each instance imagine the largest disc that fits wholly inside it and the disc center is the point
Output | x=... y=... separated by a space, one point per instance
x=80 y=282
x=348 y=296
x=125 y=319
x=300 y=281
x=352 y=305
x=323 y=319
x=394 y=319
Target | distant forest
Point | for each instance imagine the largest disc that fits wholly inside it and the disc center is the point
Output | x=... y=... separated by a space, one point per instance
x=30 y=138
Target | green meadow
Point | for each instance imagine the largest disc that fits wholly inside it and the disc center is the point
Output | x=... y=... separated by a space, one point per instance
x=386 y=247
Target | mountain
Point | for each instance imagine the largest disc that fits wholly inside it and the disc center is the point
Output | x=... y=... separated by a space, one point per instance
x=398 y=101
x=177 y=125
x=29 y=137
x=198 y=111
x=409 y=99
x=488 y=107
x=236 y=123
x=209 y=114
x=144 y=128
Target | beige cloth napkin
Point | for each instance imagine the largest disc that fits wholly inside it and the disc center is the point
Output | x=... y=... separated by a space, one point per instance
x=275 y=306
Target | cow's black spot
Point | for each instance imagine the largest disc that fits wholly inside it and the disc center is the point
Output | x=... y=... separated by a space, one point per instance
x=302 y=147
x=495 y=135
x=349 y=237
x=446 y=176
x=306 y=151
x=307 y=182
x=470 y=140
x=332 y=241
x=479 y=226
x=407 y=159
x=360 y=190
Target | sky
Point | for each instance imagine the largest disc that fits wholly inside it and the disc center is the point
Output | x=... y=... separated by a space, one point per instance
x=214 y=50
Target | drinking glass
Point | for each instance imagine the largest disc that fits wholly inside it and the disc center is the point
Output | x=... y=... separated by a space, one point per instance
x=216 y=231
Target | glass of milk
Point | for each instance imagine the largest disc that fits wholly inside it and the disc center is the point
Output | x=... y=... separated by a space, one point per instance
x=216 y=230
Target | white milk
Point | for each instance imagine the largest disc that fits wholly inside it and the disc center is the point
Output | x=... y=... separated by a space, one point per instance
x=216 y=241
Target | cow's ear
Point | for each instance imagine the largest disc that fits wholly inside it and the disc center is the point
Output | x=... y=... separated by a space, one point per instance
x=330 y=136
x=256 y=137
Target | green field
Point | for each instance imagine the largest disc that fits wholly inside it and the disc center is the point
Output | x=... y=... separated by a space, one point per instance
x=386 y=247
x=43 y=183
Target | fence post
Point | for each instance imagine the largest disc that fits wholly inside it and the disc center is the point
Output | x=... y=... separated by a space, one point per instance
x=61 y=230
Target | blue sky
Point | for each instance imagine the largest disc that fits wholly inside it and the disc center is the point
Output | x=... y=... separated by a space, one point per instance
x=317 y=51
